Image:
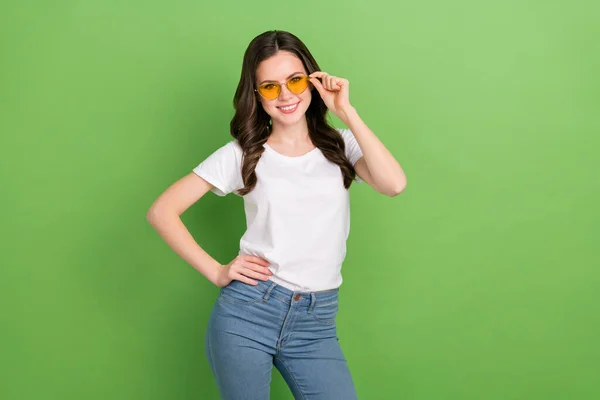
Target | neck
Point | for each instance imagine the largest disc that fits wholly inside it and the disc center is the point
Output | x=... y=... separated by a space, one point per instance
x=290 y=133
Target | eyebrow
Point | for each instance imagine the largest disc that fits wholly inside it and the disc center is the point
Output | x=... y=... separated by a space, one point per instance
x=295 y=73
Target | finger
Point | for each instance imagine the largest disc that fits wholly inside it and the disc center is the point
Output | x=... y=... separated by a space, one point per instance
x=257 y=260
x=331 y=82
x=258 y=268
x=241 y=277
x=318 y=85
x=339 y=84
x=336 y=83
x=318 y=74
x=244 y=267
x=344 y=87
x=253 y=274
x=325 y=82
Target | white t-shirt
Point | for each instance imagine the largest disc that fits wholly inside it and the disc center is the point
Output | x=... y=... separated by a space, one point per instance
x=297 y=215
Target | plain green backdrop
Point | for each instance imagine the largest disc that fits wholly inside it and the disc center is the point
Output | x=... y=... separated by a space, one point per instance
x=479 y=281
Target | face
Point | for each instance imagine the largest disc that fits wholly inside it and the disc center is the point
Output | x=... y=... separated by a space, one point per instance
x=279 y=68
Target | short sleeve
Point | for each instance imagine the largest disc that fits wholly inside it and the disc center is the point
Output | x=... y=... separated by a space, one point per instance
x=222 y=169
x=353 y=151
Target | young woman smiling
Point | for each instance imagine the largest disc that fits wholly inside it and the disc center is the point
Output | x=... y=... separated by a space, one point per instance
x=278 y=298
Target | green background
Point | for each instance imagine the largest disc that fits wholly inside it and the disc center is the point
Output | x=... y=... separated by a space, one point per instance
x=479 y=281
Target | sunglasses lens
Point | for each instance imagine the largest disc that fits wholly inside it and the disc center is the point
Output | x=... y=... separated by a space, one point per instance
x=298 y=84
x=269 y=91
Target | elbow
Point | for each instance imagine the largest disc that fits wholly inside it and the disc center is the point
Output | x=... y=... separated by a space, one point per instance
x=154 y=214
x=158 y=213
x=399 y=188
x=151 y=215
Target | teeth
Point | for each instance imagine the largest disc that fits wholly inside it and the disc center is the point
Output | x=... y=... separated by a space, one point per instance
x=288 y=108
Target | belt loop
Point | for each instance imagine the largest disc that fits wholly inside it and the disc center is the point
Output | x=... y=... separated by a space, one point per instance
x=313 y=300
x=268 y=292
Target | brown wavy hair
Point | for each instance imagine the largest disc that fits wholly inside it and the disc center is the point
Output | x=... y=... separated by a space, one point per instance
x=251 y=125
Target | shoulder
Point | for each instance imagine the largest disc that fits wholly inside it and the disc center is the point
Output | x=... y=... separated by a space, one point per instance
x=346 y=134
x=341 y=131
x=348 y=137
x=233 y=146
x=231 y=150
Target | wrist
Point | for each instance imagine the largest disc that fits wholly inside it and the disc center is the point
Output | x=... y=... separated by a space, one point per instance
x=346 y=114
x=216 y=275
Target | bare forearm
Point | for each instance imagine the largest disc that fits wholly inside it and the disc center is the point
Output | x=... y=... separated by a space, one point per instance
x=383 y=166
x=173 y=231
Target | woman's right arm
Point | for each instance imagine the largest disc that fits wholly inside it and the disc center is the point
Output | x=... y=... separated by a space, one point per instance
x=164 y=216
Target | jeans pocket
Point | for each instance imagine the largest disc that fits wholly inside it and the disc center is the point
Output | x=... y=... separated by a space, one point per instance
x=238 y=292
x=325 y=313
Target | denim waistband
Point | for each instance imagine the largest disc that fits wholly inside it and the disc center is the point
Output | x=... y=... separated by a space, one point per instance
x=269 y=288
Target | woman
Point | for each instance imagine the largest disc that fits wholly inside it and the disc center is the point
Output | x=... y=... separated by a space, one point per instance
x=279 y=297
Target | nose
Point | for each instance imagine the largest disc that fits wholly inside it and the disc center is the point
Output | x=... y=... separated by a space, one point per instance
x=285 y=93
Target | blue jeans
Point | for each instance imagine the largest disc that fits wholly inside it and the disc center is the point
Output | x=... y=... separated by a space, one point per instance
x=251 y=328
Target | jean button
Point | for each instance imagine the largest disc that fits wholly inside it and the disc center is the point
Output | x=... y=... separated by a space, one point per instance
x=296 y=297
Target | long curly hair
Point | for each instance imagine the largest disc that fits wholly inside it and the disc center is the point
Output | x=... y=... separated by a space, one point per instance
x=251 y=125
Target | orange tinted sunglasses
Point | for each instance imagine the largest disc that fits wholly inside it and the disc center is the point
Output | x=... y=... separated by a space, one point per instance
x=272 y=90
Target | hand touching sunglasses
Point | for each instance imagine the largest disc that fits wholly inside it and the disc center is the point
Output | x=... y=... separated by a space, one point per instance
x=333 y=90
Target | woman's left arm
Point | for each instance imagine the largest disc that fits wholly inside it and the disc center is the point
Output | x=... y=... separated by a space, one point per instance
x=378 y=167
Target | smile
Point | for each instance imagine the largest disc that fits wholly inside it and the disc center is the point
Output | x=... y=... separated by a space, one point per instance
x=289 y=109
